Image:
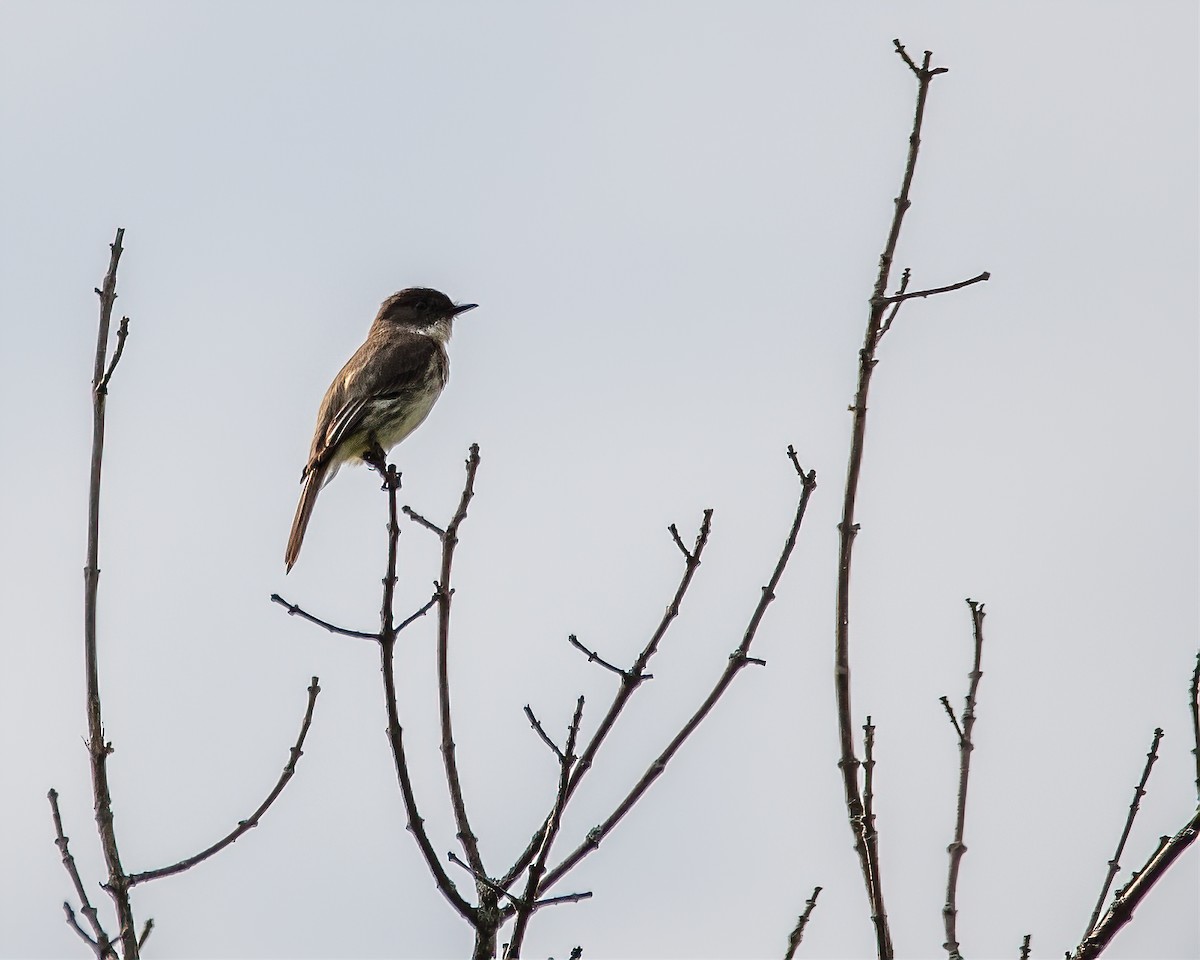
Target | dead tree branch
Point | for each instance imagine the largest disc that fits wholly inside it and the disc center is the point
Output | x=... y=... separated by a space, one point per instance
x=737 y=660
x=865 y=840
x=797 y=933
x=289 y=771
x=966 y=746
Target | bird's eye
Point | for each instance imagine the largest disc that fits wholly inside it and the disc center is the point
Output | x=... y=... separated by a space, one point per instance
x=422 y=305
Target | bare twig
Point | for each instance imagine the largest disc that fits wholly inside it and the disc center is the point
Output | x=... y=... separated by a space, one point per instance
x=395 y=733
x=541 y=732
x=886 y=325
x=73 y=923
x=1114 y=865
x=295 y=611
x=1127 y=900
x=631 y=679
x=1194 y=705
x=957 y=847
x=243 y=826
x=537 y=869
x=122 y=336
x=869 y=778
x=61 y=840
x=417 y=518
x=466 y=835
x=117 y=884
x=797 y=933
x=901 y=297
x=594 y=657
x=146 y=931
x=865 y=840
x=1025 y=947
x=945 y=701
x=674 y=531
x=737 y=660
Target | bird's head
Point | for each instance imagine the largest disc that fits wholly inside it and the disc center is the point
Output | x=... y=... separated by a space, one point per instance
x=421 y=309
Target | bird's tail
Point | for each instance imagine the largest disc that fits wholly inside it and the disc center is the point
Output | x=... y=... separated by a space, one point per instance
x=313 y=481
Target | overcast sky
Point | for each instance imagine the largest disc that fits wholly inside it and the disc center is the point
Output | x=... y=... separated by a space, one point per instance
x=671 y=215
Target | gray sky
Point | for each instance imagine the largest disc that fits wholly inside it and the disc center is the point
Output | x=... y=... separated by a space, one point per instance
x=671 y=216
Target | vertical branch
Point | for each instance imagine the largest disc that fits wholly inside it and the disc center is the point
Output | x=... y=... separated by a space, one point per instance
x=797 y=933
x=865 y=838
x=466 y=835
x=387 y=646
x=1114 y=865
x=99 y=749
x=965 y=746
x=1194 y=705
x=537 y=869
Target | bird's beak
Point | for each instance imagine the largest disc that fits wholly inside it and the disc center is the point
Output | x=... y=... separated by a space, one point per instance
x=463 y=308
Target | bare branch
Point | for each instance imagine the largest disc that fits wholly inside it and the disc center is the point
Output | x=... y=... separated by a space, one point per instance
x=395 y=733
x=73 y=923
x=289 y=771
x=294 y=611
x=737 y=660
x=122 y=335
x=537 y=726
x=1194 y=704
x=99 y=748
x=529 y=902
x=1114 y=865
x=417 y=518
x=631 y=679
x=466 y=835
x=901 y=297
x=1127 y=900
x=146 y=930
x=797 y=934
x=481 y=878
x=1025 y=947
x=945 y=701
x=886 y=325
x=679 y=542
x=966 y=746
x=61 y=840
x=594 y=657
x=865 y=839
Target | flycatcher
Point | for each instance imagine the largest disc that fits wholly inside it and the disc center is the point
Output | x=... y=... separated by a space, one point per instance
x=383 y=393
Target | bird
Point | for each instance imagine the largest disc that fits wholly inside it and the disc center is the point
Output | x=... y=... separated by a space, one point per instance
x=383 y=393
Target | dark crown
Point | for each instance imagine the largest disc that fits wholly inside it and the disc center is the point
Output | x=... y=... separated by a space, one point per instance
x=418 y=306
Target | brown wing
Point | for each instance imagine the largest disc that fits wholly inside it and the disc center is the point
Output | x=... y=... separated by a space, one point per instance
x=389 y=364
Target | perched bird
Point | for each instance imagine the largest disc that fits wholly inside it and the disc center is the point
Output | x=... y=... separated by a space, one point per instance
x=383 y=393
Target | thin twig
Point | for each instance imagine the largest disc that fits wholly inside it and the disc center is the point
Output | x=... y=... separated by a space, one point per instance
x=529 y=902
x=417 y=518
x=737 y=660
x=674 y=530
x=1194 y=704
x=1114 y=865
x=1025 y=947
x=798 y=933
x=117 y=884
x=61 y=840
x=901 y=297
x=395 y=733
x=73 y=923
x=886 y=325
x=541 y=732
x=481 y=878
x=865 y=840
x=869 y=778
x=631 y=679
x=594 y=657
x=122 y=336
x=1123 y=906
x=466 y=835
x=146 y=930
x=289 y=771
x=295 y=611
x=945 y=701
x=966 y=746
